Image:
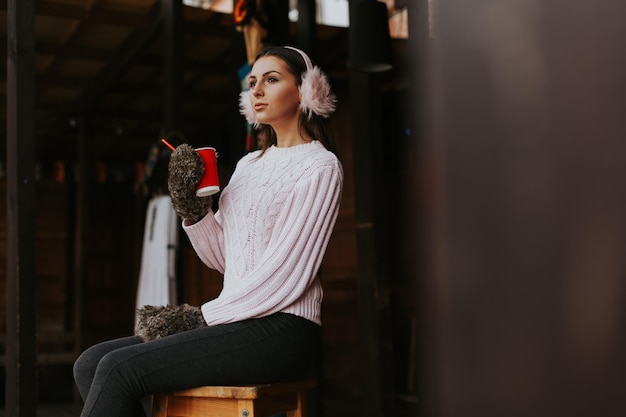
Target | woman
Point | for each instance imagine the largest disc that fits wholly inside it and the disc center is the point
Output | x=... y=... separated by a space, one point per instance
x=268 y=238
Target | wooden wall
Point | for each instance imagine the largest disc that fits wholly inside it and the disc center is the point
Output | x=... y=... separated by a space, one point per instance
x=105 y=308
x=52 y=259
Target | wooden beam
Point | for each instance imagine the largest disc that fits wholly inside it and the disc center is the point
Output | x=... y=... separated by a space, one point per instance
x=21 y=356
x=97 y=15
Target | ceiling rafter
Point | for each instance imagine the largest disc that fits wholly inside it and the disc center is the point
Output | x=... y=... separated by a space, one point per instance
x=135 y=45
x=109 y=62
x=100 y=15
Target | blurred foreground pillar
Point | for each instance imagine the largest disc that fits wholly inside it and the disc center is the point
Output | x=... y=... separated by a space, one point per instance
x=526 y=149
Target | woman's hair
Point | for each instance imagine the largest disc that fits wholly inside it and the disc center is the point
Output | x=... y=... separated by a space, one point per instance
x=314 y=125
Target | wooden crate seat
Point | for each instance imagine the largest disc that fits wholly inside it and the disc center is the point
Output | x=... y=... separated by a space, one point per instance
x=263 y=400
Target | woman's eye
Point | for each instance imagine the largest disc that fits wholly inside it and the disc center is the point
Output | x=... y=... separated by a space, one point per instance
x=251 y=84
x=272 y=79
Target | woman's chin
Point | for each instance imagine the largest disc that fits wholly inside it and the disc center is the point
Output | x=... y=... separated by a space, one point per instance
x=263 y=120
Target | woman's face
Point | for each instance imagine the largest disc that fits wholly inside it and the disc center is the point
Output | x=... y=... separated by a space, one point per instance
x=274 y=94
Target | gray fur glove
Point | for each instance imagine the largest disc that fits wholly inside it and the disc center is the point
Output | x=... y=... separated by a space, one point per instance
x=154 y=322
x=185 y=171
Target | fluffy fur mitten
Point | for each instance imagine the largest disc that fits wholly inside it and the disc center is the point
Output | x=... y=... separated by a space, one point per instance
x=185 y=171
x=154 y=322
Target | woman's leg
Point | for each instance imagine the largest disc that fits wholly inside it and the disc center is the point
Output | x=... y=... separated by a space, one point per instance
x=274 y=348
x=86 y=364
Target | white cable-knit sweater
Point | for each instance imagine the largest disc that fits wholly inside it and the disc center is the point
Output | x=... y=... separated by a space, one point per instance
x=270 y=233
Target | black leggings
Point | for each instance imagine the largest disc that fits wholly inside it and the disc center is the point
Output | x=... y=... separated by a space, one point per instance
x=113 y=376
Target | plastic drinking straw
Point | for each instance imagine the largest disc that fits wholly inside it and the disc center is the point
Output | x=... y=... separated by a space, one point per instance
x=168 y=145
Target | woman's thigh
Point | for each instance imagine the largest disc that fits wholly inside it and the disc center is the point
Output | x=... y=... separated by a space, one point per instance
x=278 y=347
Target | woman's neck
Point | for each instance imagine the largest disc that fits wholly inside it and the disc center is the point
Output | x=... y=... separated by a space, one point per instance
x=291 y=135
x=288 y=142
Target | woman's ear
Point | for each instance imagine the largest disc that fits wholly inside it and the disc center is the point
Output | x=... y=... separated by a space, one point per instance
x=245 y=108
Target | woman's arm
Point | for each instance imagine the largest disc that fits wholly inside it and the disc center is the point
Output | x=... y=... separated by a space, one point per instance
x=207 y=238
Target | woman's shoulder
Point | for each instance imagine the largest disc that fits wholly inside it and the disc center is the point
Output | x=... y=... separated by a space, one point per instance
x=249 y=157
x=322 y=163
x=324 y=156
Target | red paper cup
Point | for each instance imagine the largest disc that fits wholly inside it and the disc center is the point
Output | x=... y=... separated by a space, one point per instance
x=210 y=183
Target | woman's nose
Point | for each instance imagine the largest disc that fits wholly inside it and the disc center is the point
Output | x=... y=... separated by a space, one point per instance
x=256 y=90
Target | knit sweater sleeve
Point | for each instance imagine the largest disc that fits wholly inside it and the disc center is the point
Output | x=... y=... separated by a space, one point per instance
x=294 y=253
x=207 y=239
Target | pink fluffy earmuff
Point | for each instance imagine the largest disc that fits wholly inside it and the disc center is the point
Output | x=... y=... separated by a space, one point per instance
x=316 y=96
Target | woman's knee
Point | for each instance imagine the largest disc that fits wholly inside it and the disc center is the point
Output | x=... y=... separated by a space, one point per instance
x=87 y=362
x=84 y=370
x=119 y=368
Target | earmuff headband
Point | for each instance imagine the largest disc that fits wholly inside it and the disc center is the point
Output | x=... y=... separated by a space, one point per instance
x=305 y=57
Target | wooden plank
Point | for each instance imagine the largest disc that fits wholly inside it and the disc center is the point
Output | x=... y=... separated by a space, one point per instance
x=160 y=405
x=262 y=400
x=21 y=366
x=247 y=391
x=184 y=407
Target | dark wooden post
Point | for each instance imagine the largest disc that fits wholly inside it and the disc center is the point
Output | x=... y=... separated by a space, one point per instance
x=373 y=289
x=306 y=29
x=376 y=350
x=173 y=56
x=21 y=351
x=80 y=230
x=173 y=77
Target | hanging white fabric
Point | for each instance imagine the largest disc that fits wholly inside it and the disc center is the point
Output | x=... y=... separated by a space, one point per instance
x=157 y=276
